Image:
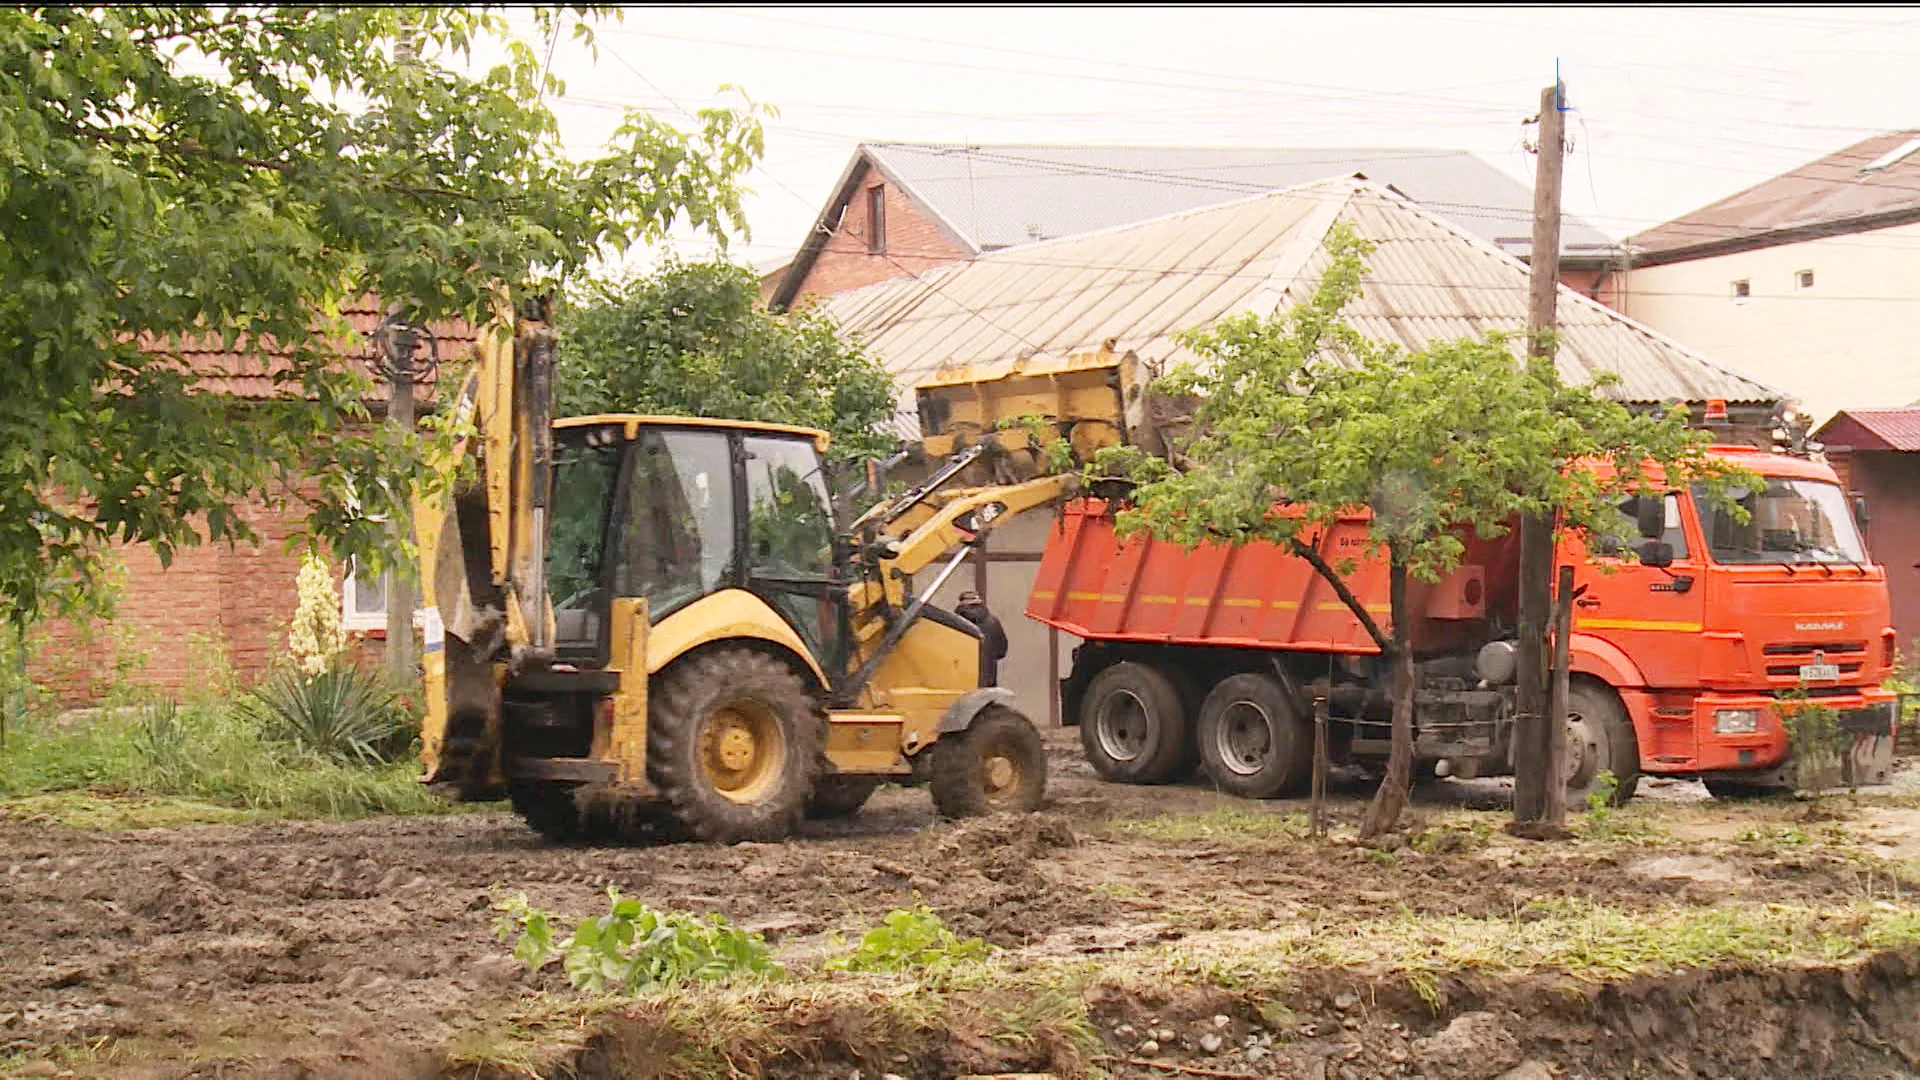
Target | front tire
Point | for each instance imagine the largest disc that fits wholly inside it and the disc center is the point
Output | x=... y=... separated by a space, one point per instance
x=1599 y=738
x=997 y=765
x=1132 y=727
x=734 y=743
x=1253 y=742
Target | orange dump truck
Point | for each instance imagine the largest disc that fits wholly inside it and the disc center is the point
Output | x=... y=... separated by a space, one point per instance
x=1677 y=669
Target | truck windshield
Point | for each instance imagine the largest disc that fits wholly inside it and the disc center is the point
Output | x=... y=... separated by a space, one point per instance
x=1792 y=521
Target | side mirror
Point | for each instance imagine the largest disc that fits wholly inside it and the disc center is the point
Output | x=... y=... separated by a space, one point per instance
x=1650 y=514
x=1860 y=516
x=1657 y=554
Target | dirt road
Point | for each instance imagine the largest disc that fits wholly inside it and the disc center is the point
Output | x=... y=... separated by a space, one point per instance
x=366 y=948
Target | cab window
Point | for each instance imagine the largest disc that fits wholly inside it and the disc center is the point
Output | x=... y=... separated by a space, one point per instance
x=678 y=543
x=1627 y=537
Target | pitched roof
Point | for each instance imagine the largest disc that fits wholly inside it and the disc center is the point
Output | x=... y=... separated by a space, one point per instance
x=1873 y=429
x=991 y=197
x=1136 y=287
x=242 y=375
x=1871 y=184
x=1000 y=196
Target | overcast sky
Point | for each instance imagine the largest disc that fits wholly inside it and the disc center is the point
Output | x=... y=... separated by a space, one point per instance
x=1672 y=108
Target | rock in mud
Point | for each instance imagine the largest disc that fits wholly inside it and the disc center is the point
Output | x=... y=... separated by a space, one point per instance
x=1528 y=1070
x=1475 y=1046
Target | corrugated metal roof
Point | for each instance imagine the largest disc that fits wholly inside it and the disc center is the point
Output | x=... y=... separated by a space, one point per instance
x=1139 y=286
x=250 y=376
x=1873 y=429
x=1001 y=196
x=1835 y=189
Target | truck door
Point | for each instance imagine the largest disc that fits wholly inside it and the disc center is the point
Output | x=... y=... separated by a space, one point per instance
x=1653 y=615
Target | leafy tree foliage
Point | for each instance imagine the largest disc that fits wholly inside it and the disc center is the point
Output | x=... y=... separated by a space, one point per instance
x=1300 y=419
x=688 y=339
x=234 y=176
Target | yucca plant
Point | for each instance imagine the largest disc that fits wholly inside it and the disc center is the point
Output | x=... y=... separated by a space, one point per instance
x=342 y=713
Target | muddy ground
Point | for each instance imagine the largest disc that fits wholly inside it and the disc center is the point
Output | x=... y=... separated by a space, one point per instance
x=366 y=948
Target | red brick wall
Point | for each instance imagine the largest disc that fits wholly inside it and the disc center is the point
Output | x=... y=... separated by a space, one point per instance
x=1601 y=285
x=914 y=244
x=241 y=596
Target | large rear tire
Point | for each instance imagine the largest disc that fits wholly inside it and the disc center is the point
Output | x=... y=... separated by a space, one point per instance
x=734 y=744
x=1253 y=742
x=997 y=765
x=1133 y=729
x=840 y=796
x=1599 y=738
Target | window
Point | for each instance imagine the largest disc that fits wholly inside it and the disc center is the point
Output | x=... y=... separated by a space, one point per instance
x=583 y=485
x=1742 y=289
x=876 y=219
x=678 y=544
x=1803 y=279
x=790 y=535
x=363 y=600
x=1791 y=522
x=1672 y=533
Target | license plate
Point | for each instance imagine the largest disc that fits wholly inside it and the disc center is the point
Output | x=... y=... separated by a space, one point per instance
x=1819 y=672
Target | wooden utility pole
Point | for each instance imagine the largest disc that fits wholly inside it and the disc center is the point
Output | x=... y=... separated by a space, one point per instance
x=1539 y=737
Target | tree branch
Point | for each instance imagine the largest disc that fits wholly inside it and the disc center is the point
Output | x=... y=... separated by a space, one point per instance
x=1345 y=594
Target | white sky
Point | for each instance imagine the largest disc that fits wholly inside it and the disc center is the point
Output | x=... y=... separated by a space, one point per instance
x=1672 y=109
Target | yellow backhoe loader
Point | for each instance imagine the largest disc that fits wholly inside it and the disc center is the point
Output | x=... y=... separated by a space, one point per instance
x=653 y=621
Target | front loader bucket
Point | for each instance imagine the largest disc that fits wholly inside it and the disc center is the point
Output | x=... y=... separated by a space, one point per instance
x=1092 y=400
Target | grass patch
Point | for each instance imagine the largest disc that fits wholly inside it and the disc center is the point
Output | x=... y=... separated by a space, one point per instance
x=200 y=762
x=1220 y=823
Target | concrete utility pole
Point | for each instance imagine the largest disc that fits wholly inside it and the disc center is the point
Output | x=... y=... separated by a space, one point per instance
x=399 y=344
x=1539 y=735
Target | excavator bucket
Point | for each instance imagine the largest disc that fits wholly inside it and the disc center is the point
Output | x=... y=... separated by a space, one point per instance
x=1092 y=400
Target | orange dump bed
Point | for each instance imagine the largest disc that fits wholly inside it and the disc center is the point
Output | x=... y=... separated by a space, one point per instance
x=1097 y=586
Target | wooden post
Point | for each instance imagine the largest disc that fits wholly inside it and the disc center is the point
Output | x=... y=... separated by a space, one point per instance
x=1319 y=817
x=1535 y=773
x=1557 y=707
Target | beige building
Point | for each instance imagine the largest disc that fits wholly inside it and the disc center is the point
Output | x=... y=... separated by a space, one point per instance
x=1135 y=289
x=1809 y=281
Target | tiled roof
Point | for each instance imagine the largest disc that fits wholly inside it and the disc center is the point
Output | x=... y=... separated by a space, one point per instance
x=1825 y=196
x=1137 y=287
x=222 y=371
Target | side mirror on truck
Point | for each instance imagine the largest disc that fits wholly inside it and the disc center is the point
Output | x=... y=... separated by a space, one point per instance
x=1657 y=554
x=1650 y=514
x=1860 y=510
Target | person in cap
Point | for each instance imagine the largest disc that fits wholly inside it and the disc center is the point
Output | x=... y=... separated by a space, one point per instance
x=993 y=638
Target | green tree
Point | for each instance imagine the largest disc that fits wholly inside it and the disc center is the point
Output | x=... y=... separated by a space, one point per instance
x=179 y=175
x=1300 y=419
x=689 y=339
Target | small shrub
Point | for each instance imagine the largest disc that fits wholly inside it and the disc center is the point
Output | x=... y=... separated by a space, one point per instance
x=633 y=948
x=910 y=938
x=343 y=714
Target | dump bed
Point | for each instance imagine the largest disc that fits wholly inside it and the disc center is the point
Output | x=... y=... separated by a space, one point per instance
x=1094 y=585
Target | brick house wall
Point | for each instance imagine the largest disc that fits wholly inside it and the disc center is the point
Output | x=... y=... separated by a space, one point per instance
x=913 y=242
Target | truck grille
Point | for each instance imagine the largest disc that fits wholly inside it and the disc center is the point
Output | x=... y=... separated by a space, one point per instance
x=1831 y=648
x=1848 y=656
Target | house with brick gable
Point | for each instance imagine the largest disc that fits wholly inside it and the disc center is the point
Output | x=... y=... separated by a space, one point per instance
x=902 y=209
x=237 y=598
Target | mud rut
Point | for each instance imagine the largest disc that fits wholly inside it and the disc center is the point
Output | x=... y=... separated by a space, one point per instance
x=366 y=948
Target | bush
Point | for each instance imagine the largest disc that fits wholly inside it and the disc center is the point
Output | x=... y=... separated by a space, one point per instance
x=344 y=714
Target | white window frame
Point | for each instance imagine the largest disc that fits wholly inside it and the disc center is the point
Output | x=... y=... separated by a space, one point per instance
x=351 y=617
x=1803 y=279
x=1734 y=289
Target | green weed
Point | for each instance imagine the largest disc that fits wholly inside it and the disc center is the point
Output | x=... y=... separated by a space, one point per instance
x=633 y=948
x=910 y=938
x=1220 y=823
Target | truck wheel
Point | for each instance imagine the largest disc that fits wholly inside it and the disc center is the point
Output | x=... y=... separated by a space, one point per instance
x=1599 y=737
x=1253 y=743
x=1132 y=728
x=840 y=796
x=734 y=744
x=997 y=765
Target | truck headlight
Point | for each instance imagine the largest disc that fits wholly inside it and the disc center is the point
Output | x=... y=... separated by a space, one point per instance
x=1736 y=721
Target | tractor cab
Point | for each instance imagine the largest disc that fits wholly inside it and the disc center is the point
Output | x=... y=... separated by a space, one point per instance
x=670 y=510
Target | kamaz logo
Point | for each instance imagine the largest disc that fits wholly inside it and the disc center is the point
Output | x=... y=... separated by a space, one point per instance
x=1819 y=626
